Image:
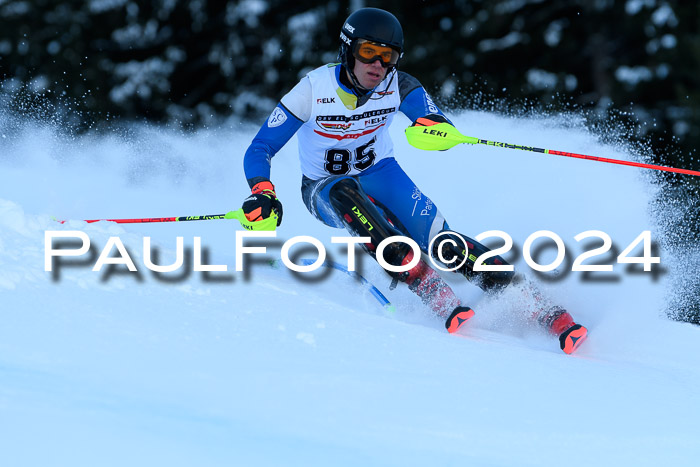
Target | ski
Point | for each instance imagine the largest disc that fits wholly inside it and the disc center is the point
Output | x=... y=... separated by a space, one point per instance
x=571 y=339
x=457 y=318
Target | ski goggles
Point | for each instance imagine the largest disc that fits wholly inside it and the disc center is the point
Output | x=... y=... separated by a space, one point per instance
x=368 y=51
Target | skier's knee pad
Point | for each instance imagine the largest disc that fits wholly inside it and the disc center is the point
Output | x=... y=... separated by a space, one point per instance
x=494 y=281
x=345 y=189
x=350 y=202
x=489 y=281
x=363 y=219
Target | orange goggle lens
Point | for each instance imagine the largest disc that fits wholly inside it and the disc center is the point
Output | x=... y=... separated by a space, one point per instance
x=367 y=52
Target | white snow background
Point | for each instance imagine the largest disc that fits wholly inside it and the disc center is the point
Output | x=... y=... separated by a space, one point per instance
x=129 y=369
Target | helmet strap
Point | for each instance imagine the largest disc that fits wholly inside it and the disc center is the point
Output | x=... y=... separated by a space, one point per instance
x=391 y=71
x=356 y=83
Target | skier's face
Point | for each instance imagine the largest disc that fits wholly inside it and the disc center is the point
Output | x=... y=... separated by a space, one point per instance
x=369 y=75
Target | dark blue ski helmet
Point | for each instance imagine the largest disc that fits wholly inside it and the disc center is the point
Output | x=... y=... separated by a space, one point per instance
x=371 y=24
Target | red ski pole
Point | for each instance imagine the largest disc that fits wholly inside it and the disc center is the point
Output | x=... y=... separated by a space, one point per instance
x=144 y=220
x=427 y=134
x=591 y=158
x=269 y=223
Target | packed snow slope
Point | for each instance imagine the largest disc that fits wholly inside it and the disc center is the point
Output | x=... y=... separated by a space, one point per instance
x=264 y=368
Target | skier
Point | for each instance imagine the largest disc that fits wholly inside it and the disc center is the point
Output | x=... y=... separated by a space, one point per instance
x=342 y=112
